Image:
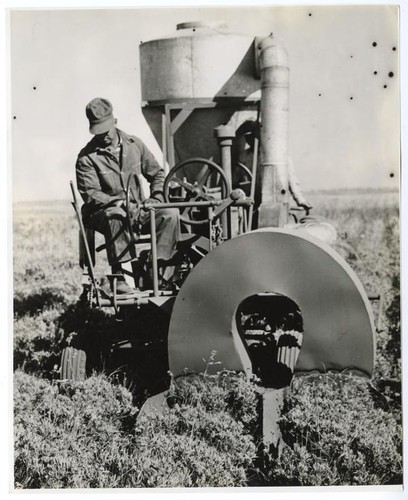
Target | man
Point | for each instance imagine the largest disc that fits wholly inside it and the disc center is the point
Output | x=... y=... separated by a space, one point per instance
x=103 y=169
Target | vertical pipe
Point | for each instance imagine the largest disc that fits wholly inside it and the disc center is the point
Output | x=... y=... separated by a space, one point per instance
x=154 y=252
x=253 y=181
x=224 y=135
x=210 y=226
x=170 y=138
x=164 y=142
x=274 y=133
x=245 y=220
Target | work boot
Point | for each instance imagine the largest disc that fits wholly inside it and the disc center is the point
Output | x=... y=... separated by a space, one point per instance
x=122 y=288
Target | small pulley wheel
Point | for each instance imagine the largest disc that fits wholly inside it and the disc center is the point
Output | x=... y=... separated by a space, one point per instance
x=196 y=179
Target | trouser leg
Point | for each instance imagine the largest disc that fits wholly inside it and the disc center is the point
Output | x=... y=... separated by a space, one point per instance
x=167 y=231
x=119 y=247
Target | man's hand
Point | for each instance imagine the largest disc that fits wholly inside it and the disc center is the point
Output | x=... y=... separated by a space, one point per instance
x=134 y=214
x=143 y=215
x=116 y=211
x=150 y=201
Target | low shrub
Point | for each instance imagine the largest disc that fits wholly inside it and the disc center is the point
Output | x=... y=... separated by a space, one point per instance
x=67 y=434
x=83 y=435
x=89 y=434
x=337 y=436
x=36 y=348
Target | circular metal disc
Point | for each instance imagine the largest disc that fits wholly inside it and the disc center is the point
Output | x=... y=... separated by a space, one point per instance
x=337 y=319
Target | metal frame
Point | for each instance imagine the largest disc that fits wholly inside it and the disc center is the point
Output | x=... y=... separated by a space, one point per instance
x=170 y=124
x=145 y=296
x=212 y=216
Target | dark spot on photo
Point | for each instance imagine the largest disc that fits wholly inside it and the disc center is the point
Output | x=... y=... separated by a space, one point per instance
x=391 y=175
x=394 y=48
x=375 y=72
x=374 y=44
x=390 y=74
x=283 y=191
x=385 y=86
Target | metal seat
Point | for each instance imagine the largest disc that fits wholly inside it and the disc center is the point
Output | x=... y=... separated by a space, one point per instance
x=87 y=255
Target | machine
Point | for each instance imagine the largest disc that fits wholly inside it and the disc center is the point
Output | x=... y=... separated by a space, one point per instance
x=267 y=294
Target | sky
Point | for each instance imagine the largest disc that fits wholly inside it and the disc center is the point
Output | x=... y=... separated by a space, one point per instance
x=344 y=123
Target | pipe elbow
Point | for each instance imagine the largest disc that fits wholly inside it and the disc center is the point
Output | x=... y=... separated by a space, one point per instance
x=272 y=53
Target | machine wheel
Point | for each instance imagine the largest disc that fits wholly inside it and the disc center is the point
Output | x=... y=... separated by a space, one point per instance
x=73 y=364
x=246 y=181
x=197 y=179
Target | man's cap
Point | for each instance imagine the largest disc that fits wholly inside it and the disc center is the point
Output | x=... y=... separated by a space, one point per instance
x=99 y=113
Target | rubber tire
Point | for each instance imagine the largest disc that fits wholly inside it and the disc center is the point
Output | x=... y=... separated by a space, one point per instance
x=73 y=364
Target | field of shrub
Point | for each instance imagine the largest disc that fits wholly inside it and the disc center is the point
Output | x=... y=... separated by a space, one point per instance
x=339 y=429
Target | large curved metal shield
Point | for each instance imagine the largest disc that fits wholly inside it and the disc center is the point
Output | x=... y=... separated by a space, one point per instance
x=337 y=319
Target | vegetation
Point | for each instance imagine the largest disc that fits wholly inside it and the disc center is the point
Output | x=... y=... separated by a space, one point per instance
x=86 y=435
x=338 y=428
x=337 y=434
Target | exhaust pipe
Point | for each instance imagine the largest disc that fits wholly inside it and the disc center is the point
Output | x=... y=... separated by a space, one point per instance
x=274 y=133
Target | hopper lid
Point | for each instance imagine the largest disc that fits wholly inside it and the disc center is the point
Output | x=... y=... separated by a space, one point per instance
x=202 y=24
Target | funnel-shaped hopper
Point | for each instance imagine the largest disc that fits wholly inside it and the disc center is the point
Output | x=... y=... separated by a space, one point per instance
x=193 y=81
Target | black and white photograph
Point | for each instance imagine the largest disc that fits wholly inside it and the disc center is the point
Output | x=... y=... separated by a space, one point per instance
x=205 y=248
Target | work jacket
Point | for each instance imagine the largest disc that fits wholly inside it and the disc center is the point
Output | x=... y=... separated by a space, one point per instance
x=102 y=177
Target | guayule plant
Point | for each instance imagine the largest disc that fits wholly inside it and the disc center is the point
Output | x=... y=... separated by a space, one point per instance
x=337 y=435
x=83 y=435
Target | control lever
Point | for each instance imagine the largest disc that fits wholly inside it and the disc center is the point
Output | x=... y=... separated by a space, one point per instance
x=235 y=195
